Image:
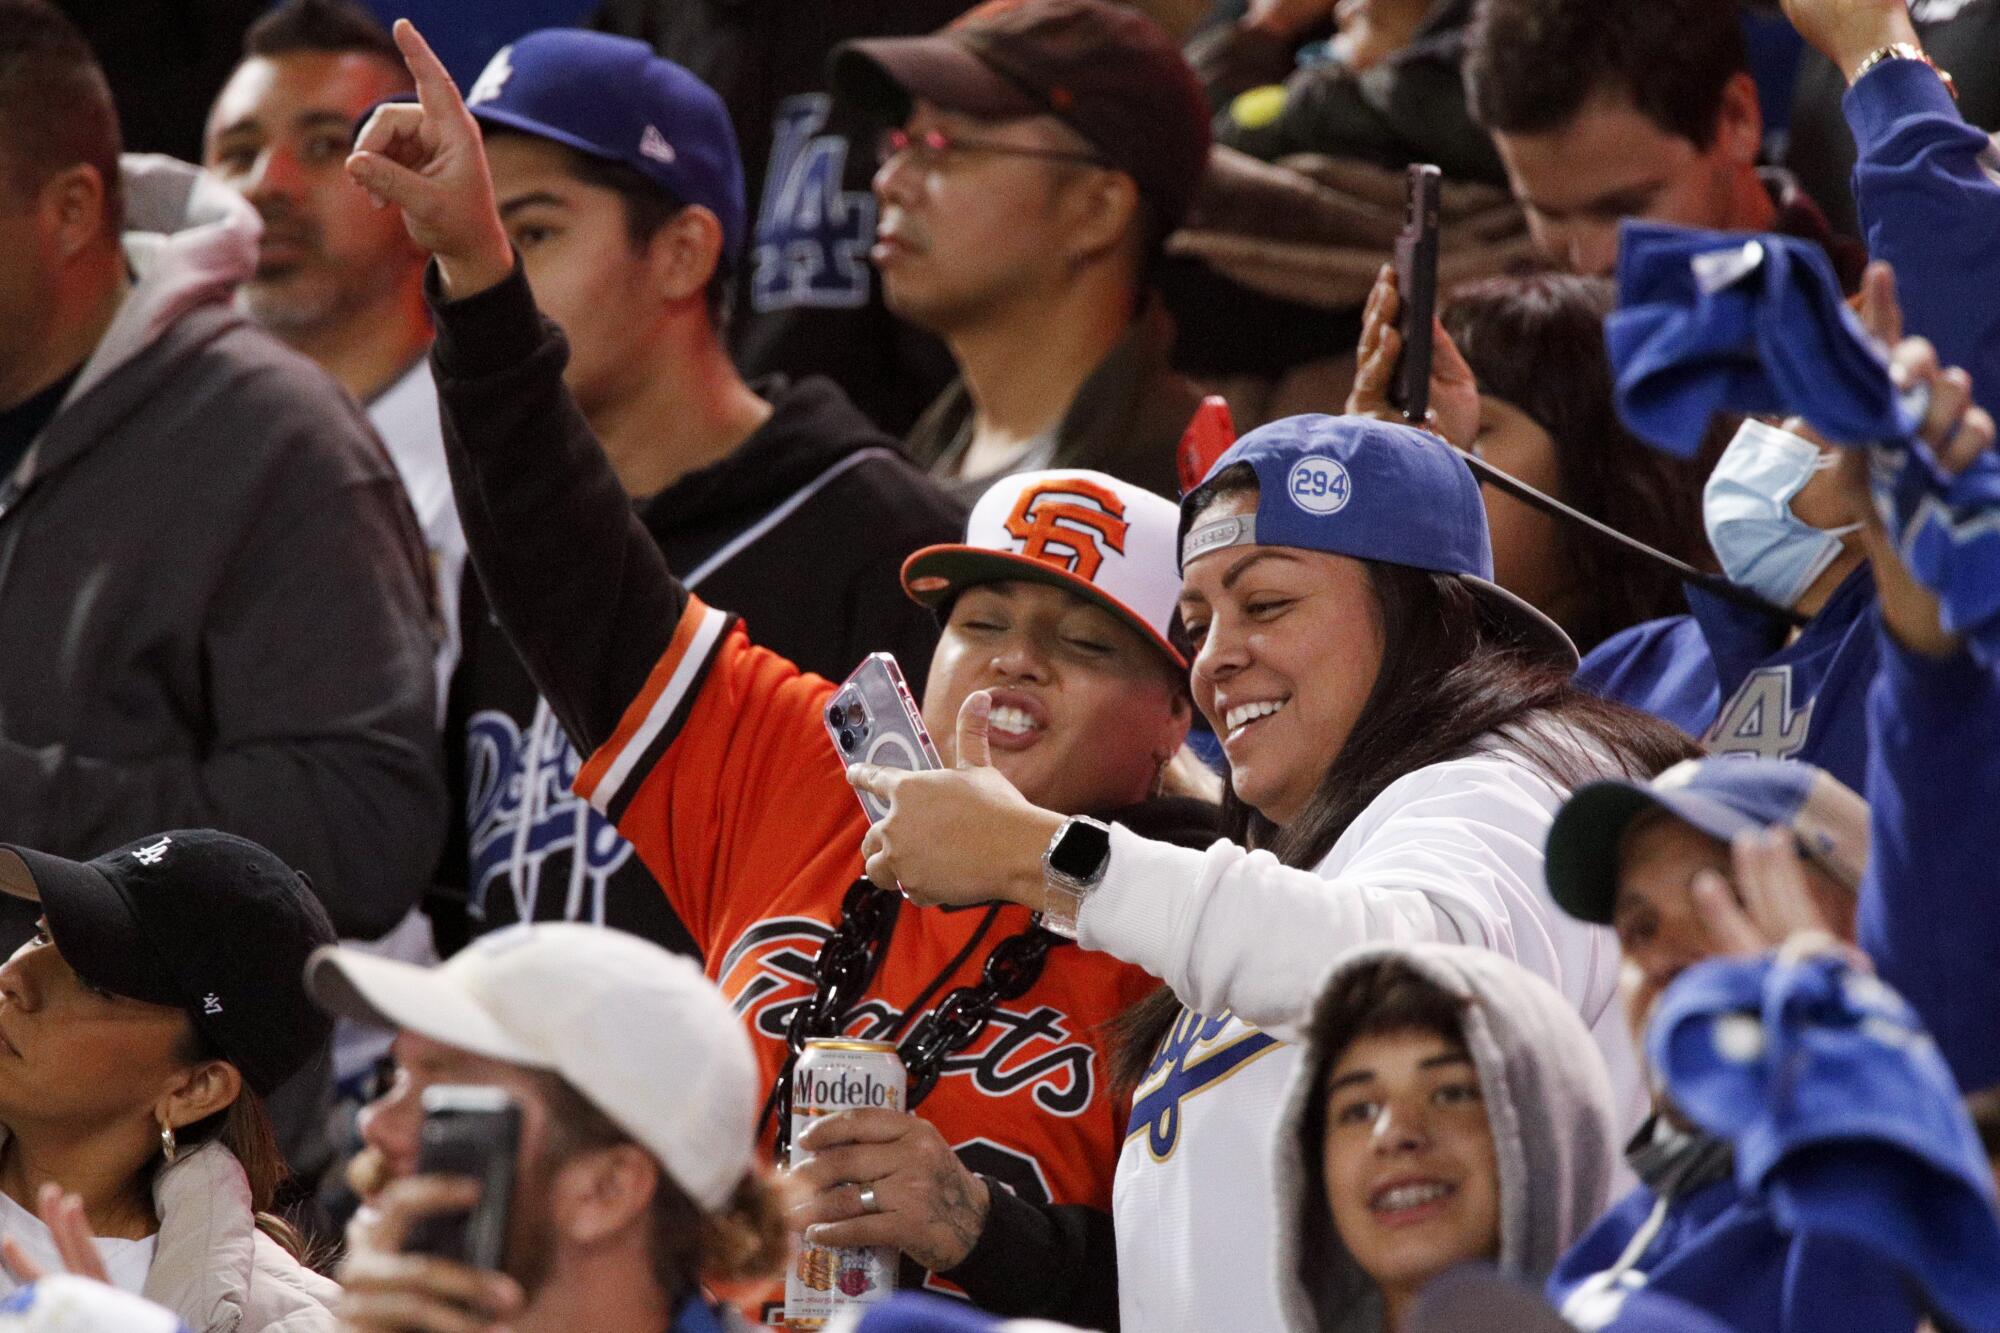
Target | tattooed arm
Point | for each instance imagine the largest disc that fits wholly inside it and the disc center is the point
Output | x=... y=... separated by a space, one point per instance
x=926 y=1203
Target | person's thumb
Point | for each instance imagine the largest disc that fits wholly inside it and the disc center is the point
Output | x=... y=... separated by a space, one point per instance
x=974 y=717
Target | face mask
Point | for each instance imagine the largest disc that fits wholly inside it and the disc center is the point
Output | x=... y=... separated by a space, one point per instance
x=1747 y=508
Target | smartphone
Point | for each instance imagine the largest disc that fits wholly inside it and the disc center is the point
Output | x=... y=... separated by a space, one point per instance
x=476 y=1132
x=873 y=719
x=1416 y=283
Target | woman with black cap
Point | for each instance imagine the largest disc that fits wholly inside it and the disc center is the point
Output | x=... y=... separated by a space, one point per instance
x=1400 y=731
x=161 y=999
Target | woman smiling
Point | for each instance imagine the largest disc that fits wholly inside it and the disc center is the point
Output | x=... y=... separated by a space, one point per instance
x=1399 y=731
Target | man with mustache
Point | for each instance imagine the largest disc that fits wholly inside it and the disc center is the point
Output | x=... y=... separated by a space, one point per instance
x=1040 y=153
x=335 y=278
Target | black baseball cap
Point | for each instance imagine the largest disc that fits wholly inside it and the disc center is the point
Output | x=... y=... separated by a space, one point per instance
x=1105 y=70
x=205 y=922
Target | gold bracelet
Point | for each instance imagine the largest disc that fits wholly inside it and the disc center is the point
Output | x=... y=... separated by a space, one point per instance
x=1905 y=51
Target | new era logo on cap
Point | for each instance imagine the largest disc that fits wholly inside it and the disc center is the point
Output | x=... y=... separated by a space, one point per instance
x=653 y=144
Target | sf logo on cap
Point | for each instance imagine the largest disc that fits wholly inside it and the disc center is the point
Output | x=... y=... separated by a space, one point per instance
x=1318 y=485
x=1062 y=523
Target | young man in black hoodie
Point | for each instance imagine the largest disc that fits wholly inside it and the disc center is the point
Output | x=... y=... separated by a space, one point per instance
x=617 y=176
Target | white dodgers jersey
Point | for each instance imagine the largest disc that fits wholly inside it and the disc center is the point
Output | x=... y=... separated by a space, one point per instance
x=1202 y=1221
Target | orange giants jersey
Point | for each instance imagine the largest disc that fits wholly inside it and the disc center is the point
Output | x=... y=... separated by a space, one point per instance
x=721 y=774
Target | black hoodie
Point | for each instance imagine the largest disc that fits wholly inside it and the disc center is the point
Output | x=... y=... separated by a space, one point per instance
x=803 y=531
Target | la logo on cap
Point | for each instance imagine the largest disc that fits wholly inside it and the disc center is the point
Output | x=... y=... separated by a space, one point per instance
x=493 y=78
x=1068 y=522
x=153 y=853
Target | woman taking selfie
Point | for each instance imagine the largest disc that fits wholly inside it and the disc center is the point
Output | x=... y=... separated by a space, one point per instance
x=161 y=999
x=1448 y=1108
x=1399 y=732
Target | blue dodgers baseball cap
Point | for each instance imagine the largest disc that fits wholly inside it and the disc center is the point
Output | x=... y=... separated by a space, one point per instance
x=1721 y=797
x=1371 y=490
x=612 y=98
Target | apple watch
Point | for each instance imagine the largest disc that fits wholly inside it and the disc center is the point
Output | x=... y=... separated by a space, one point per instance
x=1072 y=868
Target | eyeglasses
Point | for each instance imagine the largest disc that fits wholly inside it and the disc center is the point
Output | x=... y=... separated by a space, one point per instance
x=932 y=145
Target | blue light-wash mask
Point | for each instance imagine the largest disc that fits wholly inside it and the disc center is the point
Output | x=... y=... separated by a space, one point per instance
x=1747 y=509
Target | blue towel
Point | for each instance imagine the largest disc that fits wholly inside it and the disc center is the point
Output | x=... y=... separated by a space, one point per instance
x=1843 y=1116
x=1717 y=322
x=1713 y=322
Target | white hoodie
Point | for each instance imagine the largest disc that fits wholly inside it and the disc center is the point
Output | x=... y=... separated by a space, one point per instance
x=1451 y=853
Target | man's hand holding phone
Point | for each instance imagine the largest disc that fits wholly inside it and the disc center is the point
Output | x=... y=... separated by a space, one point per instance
x=383 y=1288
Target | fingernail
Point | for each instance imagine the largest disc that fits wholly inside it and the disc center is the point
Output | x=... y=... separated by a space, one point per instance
x=1707 y=882
x=813 y=1234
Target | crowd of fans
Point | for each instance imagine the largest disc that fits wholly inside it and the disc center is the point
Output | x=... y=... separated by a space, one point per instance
x=1522 y=868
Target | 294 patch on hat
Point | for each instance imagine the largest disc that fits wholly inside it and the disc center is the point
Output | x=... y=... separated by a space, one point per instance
x=1319 y=485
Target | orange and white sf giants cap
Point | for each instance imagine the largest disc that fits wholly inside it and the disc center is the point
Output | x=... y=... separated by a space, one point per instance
x=1103 y=539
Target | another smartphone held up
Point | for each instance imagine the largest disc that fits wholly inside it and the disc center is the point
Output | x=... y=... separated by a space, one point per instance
x=1416 y=283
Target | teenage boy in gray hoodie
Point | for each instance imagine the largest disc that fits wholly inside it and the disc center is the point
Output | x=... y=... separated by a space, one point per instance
x=1450 y=1107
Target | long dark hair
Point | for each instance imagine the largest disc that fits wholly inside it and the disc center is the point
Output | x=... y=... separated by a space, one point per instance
x=1452 y=677
x=1536 y=342
x=244 y=1128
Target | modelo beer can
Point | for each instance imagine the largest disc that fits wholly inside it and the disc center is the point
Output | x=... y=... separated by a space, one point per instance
x=836 y=1074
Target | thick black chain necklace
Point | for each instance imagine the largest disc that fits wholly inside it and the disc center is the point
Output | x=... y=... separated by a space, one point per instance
x=846 y=966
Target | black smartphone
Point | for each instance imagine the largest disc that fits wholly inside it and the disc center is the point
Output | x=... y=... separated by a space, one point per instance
x=1416 y=283
x=475 y=1132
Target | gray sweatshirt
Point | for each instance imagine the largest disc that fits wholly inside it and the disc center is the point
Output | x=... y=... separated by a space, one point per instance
x=213 y=602
x=1547 y=1098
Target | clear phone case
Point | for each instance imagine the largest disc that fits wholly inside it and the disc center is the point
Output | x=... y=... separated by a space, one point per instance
x=873 y=719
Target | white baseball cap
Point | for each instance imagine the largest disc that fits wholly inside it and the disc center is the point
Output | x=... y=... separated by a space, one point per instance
x=639 y=1032
x=1106 y=540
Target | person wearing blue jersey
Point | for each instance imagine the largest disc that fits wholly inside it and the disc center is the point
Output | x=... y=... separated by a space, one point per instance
x=1788 y=524
x=1702 y=862
x=1925 y=181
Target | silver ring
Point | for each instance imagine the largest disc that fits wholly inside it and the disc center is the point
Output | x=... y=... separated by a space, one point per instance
x=869 y=1203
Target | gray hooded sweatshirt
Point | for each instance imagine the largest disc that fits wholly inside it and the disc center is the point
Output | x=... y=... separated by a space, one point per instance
x=1547 y=1098
x=213 y=597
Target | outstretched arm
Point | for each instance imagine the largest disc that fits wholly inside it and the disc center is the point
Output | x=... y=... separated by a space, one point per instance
x=571 y=572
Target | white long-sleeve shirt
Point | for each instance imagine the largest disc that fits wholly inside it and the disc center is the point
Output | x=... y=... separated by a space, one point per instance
x=1452 y=853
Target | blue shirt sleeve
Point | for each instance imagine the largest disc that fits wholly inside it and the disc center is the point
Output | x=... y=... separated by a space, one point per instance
x=1928 y=189
x=1929 y=914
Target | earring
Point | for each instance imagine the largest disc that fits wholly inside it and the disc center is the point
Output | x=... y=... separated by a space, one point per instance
x=168 y=1148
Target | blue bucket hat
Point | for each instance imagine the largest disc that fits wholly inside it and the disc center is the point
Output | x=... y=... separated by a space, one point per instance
x=1721 y=797
x=612 y=98
x=1369 y=490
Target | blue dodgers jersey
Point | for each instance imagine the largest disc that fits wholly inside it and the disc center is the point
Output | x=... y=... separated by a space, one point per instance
x=1721 y=1251
x=1726 y=675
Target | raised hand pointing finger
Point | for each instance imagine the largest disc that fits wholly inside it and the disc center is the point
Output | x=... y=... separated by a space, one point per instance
x=428 y=160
